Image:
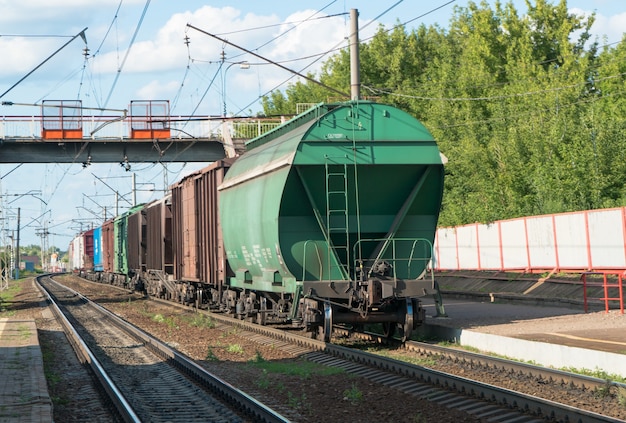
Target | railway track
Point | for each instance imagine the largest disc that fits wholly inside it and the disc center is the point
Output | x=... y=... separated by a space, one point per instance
x=481 y=400
x=511 y=367
x=145 y=379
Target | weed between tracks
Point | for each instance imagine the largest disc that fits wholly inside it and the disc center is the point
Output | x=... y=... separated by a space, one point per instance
x=354 y=394
x=303 y=370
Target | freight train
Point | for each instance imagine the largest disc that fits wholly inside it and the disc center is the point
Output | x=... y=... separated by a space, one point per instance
x=327 y=219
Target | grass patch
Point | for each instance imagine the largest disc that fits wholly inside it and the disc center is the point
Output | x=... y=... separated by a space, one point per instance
x=24 y=332
x=302 y=368
x=600 y=374
x=169 y=321
x=418 y=418
x=235 y=348
x=210 y=355
x=6 y=298
x=298 y=402
x=48 y=358
x=354 y=394
x=201 y=321
x=232 y=331
x=263 y=381
x=158 y=318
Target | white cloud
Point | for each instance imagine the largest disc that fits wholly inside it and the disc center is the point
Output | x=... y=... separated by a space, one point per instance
x=308 y=38
x=612 y=26
x=609 y=27
x=156 y=90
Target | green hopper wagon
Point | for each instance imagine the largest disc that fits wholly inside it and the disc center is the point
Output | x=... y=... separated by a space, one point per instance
x=330 y=218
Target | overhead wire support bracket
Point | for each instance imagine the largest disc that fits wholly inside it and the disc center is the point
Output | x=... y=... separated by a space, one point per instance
x=271 y=61
x=80 y=34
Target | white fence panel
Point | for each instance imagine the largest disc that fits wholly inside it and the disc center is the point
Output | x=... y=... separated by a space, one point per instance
x=514 y=252
x=445 y=249
x=468 y=247
x=587 y=240
x=489 y=245
x=606 y=238
x=541 y=243
x=571 y=241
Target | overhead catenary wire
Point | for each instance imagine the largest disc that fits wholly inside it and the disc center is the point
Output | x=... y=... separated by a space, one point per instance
x=282 y=34
x=496 y=97
x=286 y=23
x=332 y=49
x=269 y=61
x=97 y=52
x=80 y=34
x=132 y=41
x=268 y=42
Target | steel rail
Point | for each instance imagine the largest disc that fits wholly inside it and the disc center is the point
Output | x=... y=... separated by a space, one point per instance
x=256 y=410
x=86 y=356
x=559 y=376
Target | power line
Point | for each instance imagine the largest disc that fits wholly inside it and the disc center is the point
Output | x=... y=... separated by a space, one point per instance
x=282 y=34
x=287 y=23
x=332 y=49
x=80 y=34
x=270 y=61
x=35 y=36
x=497 y=97
x=132 y=41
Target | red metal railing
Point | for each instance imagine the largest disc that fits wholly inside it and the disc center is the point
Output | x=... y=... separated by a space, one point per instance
x=606 y=286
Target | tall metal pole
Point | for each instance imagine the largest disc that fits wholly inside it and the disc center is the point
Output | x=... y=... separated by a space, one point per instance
x=355 y=77
x=17 y=265
x=134 y=189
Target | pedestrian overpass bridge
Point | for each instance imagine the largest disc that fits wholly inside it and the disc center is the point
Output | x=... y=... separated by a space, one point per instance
x=64 y=132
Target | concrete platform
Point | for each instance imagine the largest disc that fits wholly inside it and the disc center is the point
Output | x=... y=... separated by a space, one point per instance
x=557 y=337
x=24 y=394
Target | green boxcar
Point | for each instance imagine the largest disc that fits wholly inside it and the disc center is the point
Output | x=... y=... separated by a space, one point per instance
x=338 y=205
x=120 y=245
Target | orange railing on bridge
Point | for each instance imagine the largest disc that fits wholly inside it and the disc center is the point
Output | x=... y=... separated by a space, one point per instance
x=67 y=120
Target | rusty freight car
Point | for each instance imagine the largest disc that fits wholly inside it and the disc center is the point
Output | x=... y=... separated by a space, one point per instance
x=198 y=249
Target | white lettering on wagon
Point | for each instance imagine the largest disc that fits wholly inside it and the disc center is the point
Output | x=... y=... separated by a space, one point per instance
x=335 y=136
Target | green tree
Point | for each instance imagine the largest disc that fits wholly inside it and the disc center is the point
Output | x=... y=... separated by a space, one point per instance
x=529 y=112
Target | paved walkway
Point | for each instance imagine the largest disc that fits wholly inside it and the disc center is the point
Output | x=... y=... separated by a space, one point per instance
x=24 y=394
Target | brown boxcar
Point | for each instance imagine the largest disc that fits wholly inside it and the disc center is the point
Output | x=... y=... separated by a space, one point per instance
x=159 y=236
x=88 y=250
x=108 y=247
x=198 y=248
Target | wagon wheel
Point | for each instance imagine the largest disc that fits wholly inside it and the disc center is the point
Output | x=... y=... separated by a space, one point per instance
x=261 y=316
x=408 y=320
x=326 y=330
x=389 y=329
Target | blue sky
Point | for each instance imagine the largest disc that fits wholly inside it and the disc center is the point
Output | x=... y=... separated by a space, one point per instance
x=159 y=65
